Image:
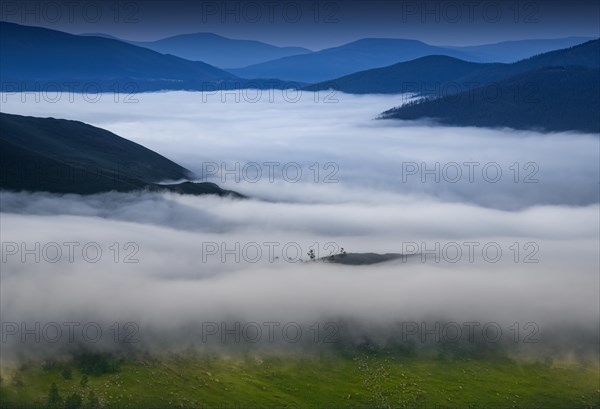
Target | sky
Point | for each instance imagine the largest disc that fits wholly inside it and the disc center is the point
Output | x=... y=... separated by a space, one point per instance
x=317 y=24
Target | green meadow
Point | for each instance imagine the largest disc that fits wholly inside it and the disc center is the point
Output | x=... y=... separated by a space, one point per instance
x=350 y=379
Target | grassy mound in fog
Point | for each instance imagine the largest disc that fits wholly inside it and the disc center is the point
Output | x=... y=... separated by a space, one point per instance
x=354 y=379
x=361 y=259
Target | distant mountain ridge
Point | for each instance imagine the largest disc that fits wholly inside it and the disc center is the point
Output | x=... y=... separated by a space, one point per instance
x=374 y=53
x=348 y=58
x=512 y=51
x=38 y=54
x=33 y=58
x=220 y=51
x=63 y=156
x=103 y=36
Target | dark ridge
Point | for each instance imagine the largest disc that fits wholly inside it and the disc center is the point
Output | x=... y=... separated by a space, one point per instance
x=62 y=156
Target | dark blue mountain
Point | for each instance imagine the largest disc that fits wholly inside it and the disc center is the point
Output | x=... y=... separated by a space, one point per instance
x=34 y=55
x=220 y=51
x=554 y=91
x=549 y=99
x=425 y=75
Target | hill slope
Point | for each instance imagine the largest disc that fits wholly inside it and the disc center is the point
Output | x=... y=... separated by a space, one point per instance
x=220 y=51
x=551 y=99
x=62 y=156
x=356 y=377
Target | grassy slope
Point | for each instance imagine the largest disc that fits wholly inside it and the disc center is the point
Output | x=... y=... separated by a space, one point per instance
x=355 y=380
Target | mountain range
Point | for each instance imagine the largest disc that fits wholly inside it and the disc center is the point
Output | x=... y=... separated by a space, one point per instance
x=38 y=55
x=438 y=74
x=555 y=91
x=235 y=54
x=220 y=51
x=62 y=156
x=348 y=58
x=34 y=58
x=380 y=52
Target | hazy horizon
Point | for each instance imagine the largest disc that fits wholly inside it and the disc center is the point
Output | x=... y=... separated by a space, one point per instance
x=317 y=25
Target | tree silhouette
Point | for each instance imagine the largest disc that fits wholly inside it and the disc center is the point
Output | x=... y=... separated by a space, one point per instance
x=67 y=374
x=54 y=399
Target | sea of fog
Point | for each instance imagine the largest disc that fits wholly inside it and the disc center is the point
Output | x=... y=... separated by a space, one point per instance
x=506 y=221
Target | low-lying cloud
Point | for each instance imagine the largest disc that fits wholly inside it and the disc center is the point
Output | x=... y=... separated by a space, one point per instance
x=177 y=265
x=334 y=139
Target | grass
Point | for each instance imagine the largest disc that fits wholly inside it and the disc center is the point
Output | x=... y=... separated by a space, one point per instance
x=353 y=379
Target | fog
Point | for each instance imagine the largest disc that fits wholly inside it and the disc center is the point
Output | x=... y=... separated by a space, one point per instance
x=369 y=159
x=176 y=265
